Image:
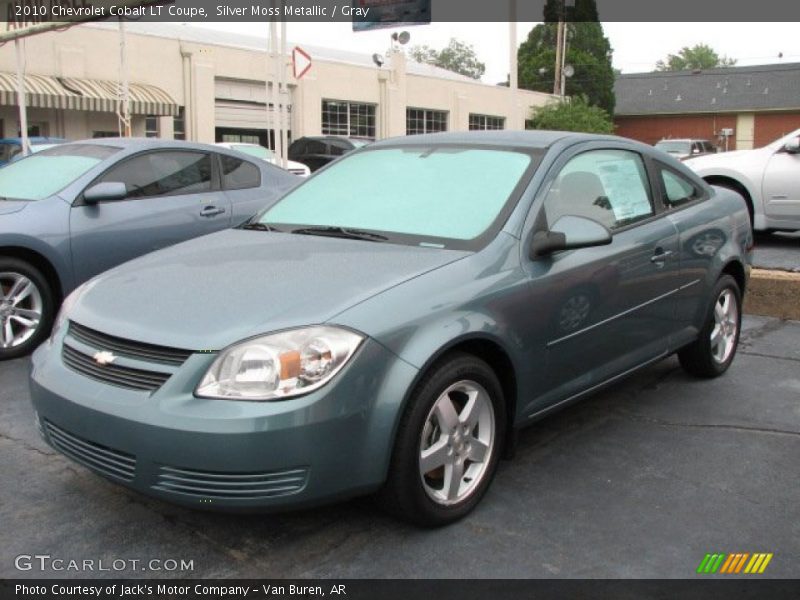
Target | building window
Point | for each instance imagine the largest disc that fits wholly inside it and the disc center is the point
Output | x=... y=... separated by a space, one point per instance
x=179 y=125
x=151 y=126
x=423 y=120
x=105 y=134
x=353 y=119
x=483 y=122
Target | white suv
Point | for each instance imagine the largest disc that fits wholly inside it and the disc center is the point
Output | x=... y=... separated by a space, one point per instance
x=768 y=178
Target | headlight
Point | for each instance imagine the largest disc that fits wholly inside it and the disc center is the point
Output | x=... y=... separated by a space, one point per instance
x=66 y=307
x=280 y=365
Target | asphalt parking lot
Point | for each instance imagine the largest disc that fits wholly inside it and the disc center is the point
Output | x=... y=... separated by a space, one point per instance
x=779 y=251
x=641 y=480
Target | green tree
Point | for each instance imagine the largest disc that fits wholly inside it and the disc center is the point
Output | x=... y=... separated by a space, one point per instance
x=572 y=114
x=588 y=51
x=699 y=56
x=456 y=56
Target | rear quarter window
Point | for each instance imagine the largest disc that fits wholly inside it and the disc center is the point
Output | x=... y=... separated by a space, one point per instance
x=239 y=174
x=678 y=190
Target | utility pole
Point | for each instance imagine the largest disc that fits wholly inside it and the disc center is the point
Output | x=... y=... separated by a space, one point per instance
x=513 y=84
x=124 y=107
x=21 y=97
x=559 y=42
x=560 y=79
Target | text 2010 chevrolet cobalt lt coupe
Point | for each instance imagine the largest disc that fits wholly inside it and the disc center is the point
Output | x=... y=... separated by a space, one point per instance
x=388 y=323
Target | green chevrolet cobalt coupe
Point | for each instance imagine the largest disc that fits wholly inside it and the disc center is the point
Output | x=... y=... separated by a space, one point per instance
x=389 y=323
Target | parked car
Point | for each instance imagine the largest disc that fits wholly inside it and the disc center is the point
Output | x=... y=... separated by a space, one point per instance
x=75 y=210
x=389 y=323
x=318 y=151
x=295 y=168
x=686 y=148
x=11 y=148
x=767 y=178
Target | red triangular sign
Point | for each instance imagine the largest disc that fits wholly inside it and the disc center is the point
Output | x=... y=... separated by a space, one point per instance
x=301 y=62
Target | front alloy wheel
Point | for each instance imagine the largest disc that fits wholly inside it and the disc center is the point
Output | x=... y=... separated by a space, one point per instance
x=26 y=308
x=448 y=443
x=457 y=443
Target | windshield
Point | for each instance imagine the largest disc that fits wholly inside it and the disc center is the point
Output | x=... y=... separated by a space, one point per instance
x=440 y=196
x=675 y=147
x=253 y=150
x=43 y=174
x=358 y=143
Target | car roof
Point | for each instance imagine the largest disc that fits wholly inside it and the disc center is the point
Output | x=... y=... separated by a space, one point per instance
x=147 y=143
x=524 y=139
x=36 y=139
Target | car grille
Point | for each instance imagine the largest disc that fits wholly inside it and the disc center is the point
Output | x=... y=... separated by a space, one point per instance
x=164 y=360
x=108 y=461
x=122 y=347
x=126 y=377
x=242 y=486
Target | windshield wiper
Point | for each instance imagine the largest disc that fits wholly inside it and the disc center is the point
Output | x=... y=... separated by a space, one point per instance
x=260 y=227
x=342 y=232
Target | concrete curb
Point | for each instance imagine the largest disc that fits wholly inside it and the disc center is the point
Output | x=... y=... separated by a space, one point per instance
x=773 y=294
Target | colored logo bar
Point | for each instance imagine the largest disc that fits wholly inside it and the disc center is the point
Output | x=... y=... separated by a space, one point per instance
x=736 y=563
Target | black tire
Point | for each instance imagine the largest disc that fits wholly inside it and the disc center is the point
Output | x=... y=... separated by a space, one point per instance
x=702 y=358
x=10 y=267
x=404 y=494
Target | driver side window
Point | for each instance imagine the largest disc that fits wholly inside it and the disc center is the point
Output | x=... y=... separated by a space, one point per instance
x=607 y=186
x=163 y=173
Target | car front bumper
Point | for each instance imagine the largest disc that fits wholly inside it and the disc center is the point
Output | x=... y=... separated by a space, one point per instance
x=222 y=454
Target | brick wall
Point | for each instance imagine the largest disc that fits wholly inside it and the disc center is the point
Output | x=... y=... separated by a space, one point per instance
x=650 y=130
x=771 y=126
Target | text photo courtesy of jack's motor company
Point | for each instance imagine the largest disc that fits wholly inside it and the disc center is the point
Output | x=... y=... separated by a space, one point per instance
x=399 y=297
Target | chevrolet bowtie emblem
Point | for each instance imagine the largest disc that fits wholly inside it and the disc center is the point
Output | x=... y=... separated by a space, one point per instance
x=104 y=358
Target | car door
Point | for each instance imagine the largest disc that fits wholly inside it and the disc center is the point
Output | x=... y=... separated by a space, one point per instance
x=603 y=310
x=172 y=196
x=781 y=186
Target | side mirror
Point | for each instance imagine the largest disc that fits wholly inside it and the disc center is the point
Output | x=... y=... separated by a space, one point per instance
x=793 y=145
x=107 y=190
x=567 y=233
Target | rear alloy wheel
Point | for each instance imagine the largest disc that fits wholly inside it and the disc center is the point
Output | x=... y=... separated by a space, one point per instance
x=26 y=308
x=448 y=444
x=713 y=351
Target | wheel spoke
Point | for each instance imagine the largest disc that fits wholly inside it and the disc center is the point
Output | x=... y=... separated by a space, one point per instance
x=22 y=289
x=433 y=457
x=478 y=450
x=721 y=309
x=716 y=336
x=471 y=411
x=453 y=474
x=7 y=335
x=27 y=313
x=25 y=322
x=446 y=413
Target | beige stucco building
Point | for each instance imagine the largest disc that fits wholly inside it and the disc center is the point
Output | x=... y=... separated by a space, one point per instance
x=207 y=85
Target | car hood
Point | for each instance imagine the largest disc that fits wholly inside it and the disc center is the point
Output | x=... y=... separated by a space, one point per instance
x=723 y=159
x=8 y=207
x=212 y=291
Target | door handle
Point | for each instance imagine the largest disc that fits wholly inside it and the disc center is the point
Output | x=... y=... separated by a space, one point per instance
x=660 y=256
x=211 y=211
